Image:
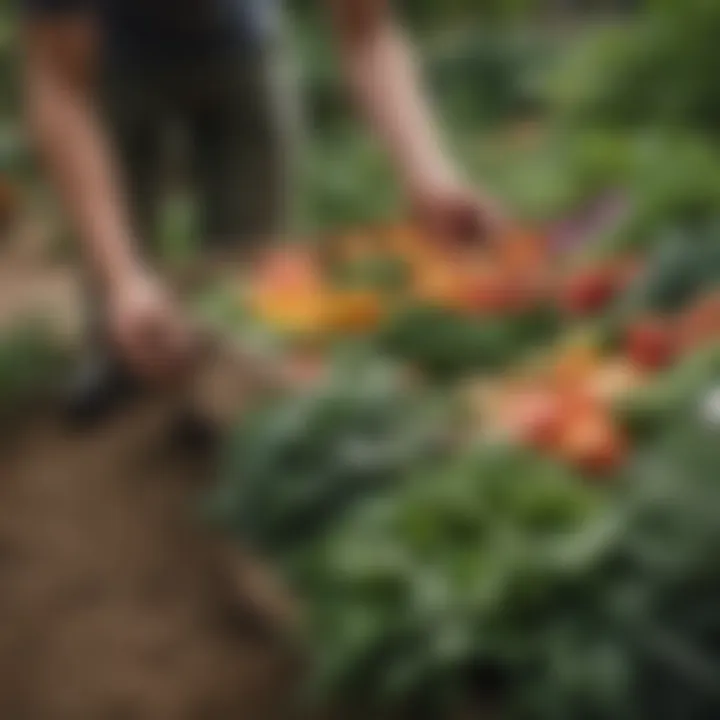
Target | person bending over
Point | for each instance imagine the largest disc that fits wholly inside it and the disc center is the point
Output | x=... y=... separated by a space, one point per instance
x=108 y=82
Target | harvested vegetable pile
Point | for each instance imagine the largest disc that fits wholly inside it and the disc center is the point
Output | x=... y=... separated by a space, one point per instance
x=444 y=312
x=538 y=527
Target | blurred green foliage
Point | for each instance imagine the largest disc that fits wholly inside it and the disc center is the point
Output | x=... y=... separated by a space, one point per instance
x=505 y=574
x=630 y=106
x=498 y=569
x=661 y=67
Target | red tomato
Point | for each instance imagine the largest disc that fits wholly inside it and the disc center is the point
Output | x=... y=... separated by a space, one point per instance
x=539 y=419
x=652 y=344
x=589 y=290
x=592 y=443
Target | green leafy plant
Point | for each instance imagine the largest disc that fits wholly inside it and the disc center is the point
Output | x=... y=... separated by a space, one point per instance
x=295 y=465
x=446 y=345
x=656 y=69
x=500 y=567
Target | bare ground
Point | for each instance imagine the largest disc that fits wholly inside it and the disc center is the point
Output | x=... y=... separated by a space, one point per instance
x=116 y=603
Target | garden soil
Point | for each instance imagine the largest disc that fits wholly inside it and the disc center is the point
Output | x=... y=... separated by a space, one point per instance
x=116 y=602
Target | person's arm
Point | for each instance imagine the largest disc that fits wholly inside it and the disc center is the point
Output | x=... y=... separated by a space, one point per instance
x=384 y=78
x=60 y=66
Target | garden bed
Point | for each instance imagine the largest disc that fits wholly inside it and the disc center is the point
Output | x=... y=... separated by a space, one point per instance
x=443 y=524
x=528 y=521
x=117 y=601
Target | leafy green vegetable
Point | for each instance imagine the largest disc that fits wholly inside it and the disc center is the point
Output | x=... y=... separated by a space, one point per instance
x=445 y=574
x=295 y=465
x=655 y=68
x=447 y=345
x=579 y=602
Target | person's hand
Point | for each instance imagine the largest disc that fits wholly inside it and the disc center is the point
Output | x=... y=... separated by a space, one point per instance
x=148 y=329
x=456 y=213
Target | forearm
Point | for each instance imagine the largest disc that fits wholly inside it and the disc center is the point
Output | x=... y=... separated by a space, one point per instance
x=384 y=78
x=72 y=145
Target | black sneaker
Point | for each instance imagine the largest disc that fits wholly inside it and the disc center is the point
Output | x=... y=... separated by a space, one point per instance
x=100 y=388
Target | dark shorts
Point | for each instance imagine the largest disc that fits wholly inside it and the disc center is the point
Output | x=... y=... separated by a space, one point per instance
x=225 y=128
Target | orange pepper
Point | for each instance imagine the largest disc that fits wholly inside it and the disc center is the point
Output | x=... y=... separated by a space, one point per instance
x=302 y=313
x=593 y=443
x=522 y=252
x=575 y=365
x=441 y=283
x=355 y=311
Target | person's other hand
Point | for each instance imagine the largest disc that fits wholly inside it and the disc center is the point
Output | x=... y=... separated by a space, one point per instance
x=148 y=329
x=456 y=213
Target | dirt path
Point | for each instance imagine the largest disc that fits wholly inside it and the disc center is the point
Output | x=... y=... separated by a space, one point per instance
x=114 y=602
